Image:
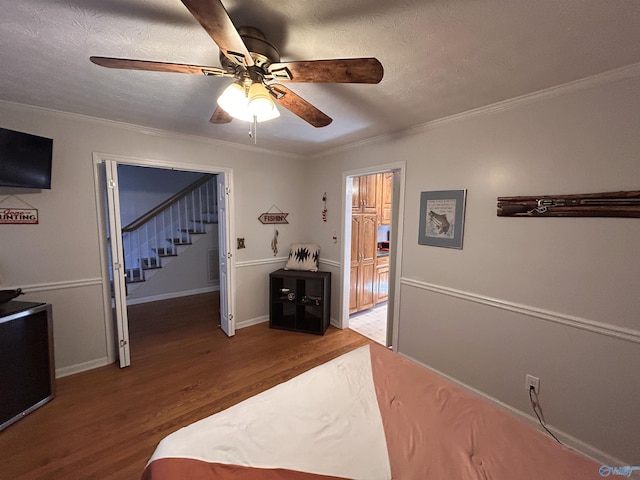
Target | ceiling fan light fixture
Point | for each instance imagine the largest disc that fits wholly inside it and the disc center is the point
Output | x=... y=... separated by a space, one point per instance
x=258 y=103
x=234 y=100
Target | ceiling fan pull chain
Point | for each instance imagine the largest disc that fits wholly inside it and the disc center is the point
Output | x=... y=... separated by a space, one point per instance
x=253 y=130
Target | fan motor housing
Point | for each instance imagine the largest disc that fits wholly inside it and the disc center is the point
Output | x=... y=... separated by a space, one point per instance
x=262 y=52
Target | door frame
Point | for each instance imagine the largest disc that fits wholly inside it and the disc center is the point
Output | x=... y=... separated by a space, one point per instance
x=99 y=159
x=395 y=255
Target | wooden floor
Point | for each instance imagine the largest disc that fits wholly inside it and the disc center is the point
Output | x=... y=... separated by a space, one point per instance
x=106 y=423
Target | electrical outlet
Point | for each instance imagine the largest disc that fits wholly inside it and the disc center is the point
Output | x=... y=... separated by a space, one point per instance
x=531 y=381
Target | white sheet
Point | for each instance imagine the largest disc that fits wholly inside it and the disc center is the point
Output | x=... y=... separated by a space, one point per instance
x=297 y=426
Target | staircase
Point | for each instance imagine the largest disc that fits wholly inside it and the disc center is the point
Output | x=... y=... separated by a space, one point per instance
x=159 y=234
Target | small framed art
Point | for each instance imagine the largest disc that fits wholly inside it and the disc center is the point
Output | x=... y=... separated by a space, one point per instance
x=442 y=218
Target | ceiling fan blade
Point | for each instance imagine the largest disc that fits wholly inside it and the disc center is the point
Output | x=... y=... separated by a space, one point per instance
x=296 y=104
x=350 y=70
x=213 y=17
x=220 y=116
x=126 y=64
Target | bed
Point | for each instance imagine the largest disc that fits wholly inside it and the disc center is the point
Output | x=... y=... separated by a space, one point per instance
x=369 y=414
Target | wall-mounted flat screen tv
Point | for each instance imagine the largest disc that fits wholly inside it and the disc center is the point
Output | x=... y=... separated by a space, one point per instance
x=25 y=160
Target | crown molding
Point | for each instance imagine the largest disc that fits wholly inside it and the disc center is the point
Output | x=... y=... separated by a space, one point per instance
x=622 y=73
x=149 y=131
x=610 y=76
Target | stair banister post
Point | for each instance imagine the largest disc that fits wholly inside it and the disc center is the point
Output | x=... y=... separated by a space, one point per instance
x=139 y=246
x=126 y=240
x=171 y=223
x=208 y=201
x=179 y=209
x=145 y=251
x=193 y=210
x=186 y=220
x=155 y=240
x=164 y=228
x=200 y=208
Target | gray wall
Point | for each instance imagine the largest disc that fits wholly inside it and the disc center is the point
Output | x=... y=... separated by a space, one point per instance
x=59 y=260
x=554 y=297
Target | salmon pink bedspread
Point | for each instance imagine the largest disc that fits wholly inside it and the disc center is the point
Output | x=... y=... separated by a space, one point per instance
x=369 y=414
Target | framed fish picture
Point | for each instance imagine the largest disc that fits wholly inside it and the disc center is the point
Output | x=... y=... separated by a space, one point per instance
x=442 y=218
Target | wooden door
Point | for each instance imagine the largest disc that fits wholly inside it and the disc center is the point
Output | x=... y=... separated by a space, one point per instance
x=366 y=284
x=226 y=317
x=382 y=284
x=363 y=262
x=369 y=193
x=386 y=193
x=356 y=205
x=364 y=194
x=353 y=296
x=355 y=262
x=117 y=263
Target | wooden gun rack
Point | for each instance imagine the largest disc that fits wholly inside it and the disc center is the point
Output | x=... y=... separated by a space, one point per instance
x=608 y=204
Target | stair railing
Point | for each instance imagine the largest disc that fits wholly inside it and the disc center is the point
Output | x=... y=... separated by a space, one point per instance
x=158 y=232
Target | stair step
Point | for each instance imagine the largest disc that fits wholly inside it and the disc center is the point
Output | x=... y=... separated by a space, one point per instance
x=149 y=263
x=193 y=231
x=139 y=280
x=166 y=252
x=210 y=217
x=134 y=276
x=178 y=241
x=151 y=267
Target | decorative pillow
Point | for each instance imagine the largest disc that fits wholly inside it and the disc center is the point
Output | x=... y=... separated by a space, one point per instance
x=303 y=256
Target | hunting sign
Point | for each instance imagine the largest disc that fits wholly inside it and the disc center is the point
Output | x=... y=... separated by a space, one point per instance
x=19 y=216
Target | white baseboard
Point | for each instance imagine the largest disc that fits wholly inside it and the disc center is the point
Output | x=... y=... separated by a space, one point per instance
x=81 y=367
x=167 y=296
x=265 y=318
x=335 y=323
x=573 y=443
x=252 y=321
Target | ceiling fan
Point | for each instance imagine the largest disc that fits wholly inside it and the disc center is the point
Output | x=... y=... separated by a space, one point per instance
x=247 y=56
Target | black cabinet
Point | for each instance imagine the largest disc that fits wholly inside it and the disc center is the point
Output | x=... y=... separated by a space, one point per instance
x=27 y=372
x=300 y=301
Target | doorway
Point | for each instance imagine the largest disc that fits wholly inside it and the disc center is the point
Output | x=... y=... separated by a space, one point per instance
x=112 y=251
x=372 y=249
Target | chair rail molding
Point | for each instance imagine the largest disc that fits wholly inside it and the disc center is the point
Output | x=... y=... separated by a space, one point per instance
x=44 y=287
x=593 y=326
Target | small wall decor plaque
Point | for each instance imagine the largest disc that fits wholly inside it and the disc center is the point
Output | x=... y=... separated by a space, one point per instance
x=18 y=216
x=273 y=218
x=442 y=218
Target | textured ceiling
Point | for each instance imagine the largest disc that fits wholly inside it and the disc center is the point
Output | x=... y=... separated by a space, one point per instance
x=440 y=58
